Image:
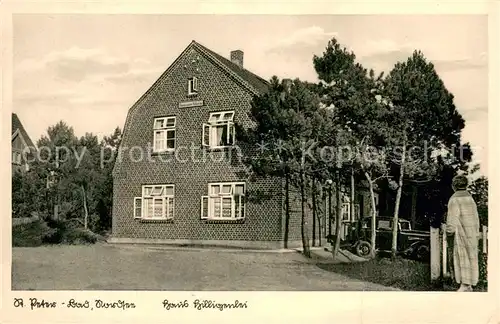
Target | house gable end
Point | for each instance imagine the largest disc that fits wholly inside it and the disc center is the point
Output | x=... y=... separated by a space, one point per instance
x=17 y=138
x=17 y=128
x=186 y=61
x=136 y=106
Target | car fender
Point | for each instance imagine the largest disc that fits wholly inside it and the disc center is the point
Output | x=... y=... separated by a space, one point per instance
x=413 y=246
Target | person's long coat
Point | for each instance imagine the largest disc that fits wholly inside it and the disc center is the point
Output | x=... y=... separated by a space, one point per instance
x=463 y=221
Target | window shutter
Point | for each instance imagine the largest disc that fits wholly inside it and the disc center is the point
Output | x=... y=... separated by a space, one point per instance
x=230 y=133
x=204 y=207
x=137 y=207
x=171 y=206
x=206 y=135
x=166 y=207
x=243 y=206
x=233 y=205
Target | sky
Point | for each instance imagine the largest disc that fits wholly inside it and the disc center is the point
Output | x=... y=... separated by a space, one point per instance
x=88 y=70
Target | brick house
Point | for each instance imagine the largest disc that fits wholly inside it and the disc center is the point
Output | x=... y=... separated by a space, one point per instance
x=21 y=144
x=178 y=179
x=192 y=189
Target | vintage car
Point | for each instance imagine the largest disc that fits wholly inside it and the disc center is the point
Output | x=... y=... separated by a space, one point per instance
x=410 y=243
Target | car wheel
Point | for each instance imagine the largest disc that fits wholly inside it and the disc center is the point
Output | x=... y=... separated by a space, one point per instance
x=363 y=249
x=422 y=252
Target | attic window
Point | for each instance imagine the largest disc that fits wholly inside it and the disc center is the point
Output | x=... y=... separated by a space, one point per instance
x=193 y=86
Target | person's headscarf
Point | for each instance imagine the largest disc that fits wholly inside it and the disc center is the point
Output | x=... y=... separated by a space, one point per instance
x=460 y=182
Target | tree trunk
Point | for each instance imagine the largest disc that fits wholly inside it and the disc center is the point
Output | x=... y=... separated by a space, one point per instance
x=57 y=207
x=373 y=238
x=395 y=219
x=303 y=227
x=85 y=207
x=330 y=211
x=338 y=222
x=414 y=197
x=314 y=211
x=353 y=192
x=287 y=208
x=319 y=214
x=320 y=241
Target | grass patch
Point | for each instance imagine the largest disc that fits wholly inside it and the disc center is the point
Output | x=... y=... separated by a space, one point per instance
x=402 y=273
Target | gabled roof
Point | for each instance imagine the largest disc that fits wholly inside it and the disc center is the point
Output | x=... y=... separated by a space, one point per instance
x=17 y=125
x=252 y=79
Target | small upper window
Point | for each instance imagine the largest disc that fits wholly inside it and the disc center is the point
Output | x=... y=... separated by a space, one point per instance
x=192 y=86
x=164 y=134
x=219 y=131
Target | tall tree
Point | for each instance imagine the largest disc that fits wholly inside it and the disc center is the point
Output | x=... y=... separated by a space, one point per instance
x=257 y=142
x=354 y=98
x=88 y=176
x=57 y=155
x=109 y=149
x=284 y=124
x=423 y=116
x=77 y=173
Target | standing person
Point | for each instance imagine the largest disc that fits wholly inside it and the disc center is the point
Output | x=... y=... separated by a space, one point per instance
x=462 y=222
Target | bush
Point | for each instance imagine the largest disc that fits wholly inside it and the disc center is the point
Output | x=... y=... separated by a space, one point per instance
x=483 y=268
x=67 y=232
x=79 y=236
x=56 y=236
x=32 y=234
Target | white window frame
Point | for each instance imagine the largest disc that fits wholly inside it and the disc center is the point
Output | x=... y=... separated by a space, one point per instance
x=213 y=124
x=164 y=130
x=192 y=86
x=155 y=193
x=210 y=199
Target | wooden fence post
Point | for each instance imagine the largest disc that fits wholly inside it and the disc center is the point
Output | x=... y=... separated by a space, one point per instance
x=444 y=254
x=435 y=254
x=485 y=239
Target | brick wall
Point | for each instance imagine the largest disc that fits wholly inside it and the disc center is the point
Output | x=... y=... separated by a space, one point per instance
x=191 y=176
x=294 y=233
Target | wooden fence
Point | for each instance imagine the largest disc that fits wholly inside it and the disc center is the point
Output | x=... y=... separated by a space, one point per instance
x=24 y=220
x=439 y=252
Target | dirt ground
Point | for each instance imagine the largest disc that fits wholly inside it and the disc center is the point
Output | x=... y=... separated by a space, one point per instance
x=118 y=267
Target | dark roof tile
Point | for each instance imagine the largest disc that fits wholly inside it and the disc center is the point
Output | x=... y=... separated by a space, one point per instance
x=254 y=80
